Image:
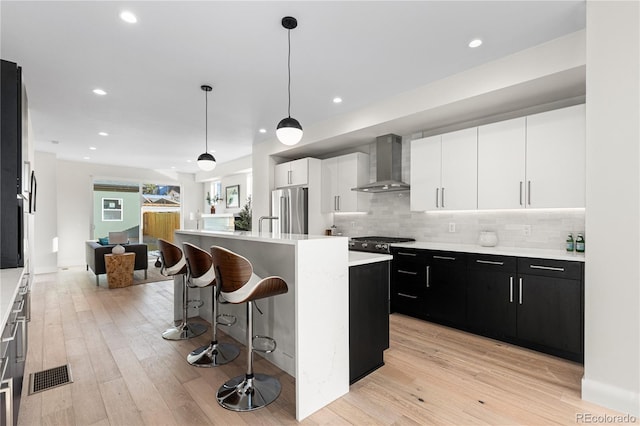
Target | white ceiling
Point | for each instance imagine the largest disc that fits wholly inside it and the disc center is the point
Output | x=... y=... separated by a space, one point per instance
x=154 y=110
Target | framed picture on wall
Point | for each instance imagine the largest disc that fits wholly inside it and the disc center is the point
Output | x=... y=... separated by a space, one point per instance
x=233 y=196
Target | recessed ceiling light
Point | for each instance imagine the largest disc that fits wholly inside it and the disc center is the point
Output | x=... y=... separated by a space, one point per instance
x=92 y=148
x=337 y=100
x=128 y=17
x=188 y=161
x=475 y=43
x=213 y=151
x=99 y=92
x=173 y=167
x=103 y=133
x=263 y=130
x=86 y=158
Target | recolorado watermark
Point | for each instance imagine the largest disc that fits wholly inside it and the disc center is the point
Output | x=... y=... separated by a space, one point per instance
x=605 y=418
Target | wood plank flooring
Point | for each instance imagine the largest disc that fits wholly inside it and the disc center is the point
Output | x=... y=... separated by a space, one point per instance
x=126 y=374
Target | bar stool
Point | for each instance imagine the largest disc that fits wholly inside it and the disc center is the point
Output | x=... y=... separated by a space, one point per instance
x=202 y=274
x=238 y=284
x=173 y=263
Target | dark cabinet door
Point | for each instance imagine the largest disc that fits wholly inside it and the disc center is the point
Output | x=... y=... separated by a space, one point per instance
x=491 y=295
x=550 y=312
x=446 y=289
x=368 y=318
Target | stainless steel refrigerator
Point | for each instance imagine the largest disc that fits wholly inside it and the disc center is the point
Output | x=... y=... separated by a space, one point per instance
x=290 y=206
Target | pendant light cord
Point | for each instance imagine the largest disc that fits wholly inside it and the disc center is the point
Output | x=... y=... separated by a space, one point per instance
x=289 y=71
x=206 y=121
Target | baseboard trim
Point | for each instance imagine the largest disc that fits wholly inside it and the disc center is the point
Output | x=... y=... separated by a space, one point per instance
x=611 y=397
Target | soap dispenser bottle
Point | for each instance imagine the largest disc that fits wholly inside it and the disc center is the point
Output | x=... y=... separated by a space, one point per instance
x=580 y=243
x=570 y=244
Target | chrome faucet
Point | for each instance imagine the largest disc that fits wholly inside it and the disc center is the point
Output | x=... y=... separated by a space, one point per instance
x=263 y=218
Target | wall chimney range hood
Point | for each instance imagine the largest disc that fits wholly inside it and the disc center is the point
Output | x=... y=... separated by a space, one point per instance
x=388 y=166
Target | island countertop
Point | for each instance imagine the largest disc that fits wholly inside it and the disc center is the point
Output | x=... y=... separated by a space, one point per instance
x=357 y=258
x=270 y=237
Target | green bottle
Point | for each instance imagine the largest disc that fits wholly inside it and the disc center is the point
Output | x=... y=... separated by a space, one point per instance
x=570 y=243
x=580 y=243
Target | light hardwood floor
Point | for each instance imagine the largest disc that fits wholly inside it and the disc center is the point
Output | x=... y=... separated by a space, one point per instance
x=126 y=374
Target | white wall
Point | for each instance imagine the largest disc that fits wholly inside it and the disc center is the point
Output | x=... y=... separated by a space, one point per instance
x=73 y=199
x=45 y=257
x=612 y=294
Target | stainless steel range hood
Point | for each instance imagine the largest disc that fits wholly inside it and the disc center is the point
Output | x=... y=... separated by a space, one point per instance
x=388 y=166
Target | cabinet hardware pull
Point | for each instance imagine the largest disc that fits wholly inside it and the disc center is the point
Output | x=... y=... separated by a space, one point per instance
x=3 y=370
x=402 y=253
x=529 y=192
x=437 y=197
x=547 y=268
x=407 y=295
x=289 y=177
x=520 y=291
x=510 y=289
x=338 y=203
x=520 y=192
x=402 y=271
x=7 y=393
x=444 y=257
x=335 y=202
x=13 y=334
x=442 y=198
x=19 y=306
x=428 y=278
x=23 y=356
x=490 y=262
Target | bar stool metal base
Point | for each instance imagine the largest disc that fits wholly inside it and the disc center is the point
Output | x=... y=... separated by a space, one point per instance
x=213 y=355
x=245 y=393
x=184 y=331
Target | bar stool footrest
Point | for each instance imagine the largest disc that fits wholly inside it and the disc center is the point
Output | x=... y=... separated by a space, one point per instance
x=226 y=320
x=195 y=303
x=264 y=344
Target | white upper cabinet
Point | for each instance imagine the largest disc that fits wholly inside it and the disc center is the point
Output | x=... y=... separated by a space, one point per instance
x=293 y=173
x=501 y=165
x=534 y=162
x=339 y=175
x=555 y=155
x=444 y=171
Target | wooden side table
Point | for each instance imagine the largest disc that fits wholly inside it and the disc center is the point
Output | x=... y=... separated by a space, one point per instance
x=119 y=269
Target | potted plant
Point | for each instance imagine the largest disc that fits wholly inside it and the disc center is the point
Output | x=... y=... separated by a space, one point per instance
x=213 y=200
x=243 y=222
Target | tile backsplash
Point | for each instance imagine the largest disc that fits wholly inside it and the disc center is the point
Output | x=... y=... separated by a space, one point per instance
x=389 y=216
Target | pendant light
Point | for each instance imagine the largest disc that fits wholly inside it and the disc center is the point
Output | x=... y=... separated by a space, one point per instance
x=206 y=161
x=289 y=130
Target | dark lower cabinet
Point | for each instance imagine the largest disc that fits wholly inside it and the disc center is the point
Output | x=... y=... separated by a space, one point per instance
x=368 y=318
x=491 y=295
x=536 y=303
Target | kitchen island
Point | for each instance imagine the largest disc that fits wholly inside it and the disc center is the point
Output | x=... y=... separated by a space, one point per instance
x=310 y=323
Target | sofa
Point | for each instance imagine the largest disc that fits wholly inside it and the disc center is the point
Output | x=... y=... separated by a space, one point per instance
x=94 y=254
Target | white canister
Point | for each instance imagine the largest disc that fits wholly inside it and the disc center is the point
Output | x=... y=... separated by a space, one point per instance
x=488 y=239
x=117 y=249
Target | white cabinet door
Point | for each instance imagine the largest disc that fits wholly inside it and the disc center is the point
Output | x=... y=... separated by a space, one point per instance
x=556 y=158
x=459 y=173
x=299 y=172
x=293 y=173
x=329 y=185
x=339 y=175
x=501 y=165
x=425 y=173
x=353 y=171
x=281 y=175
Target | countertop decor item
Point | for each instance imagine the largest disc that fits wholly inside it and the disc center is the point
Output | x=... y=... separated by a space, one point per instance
x=206 y=161
x=488 y=239
x=289 y=130
x=117 y=249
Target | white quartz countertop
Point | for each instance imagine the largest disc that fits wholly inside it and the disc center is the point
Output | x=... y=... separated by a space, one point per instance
x=269 y=237
x=498 y=250
x=10 y=280
x=357 y=258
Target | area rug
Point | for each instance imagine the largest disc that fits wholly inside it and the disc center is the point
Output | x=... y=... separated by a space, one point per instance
x=153 y=275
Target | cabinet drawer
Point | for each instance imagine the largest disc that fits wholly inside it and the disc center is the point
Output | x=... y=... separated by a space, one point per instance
x=446 y=258
x=550 y=268
x=490 y=262
x=408 y=255
x=407 y=299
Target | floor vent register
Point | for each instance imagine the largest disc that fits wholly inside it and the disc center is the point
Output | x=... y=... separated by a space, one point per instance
x=49 y=379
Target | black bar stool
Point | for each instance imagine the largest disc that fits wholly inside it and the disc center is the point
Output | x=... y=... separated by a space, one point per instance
x=202 y=274
x=238 y=284
x=173 y=263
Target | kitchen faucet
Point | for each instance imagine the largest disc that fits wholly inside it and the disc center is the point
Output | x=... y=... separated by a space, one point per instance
x=262 y=218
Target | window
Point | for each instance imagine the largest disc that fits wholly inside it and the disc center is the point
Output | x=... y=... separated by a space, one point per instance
x=112 y=209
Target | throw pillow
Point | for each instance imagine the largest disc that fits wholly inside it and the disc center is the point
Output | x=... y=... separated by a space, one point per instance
x=103 y=241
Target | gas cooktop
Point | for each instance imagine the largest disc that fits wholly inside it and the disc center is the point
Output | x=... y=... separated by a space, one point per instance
x=376 y=244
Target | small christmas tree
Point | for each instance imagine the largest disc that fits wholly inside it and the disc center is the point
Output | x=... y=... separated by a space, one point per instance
x=243 y=223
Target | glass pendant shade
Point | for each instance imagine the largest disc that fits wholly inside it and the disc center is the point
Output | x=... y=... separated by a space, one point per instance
x=206 y=162
x=289 y=131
